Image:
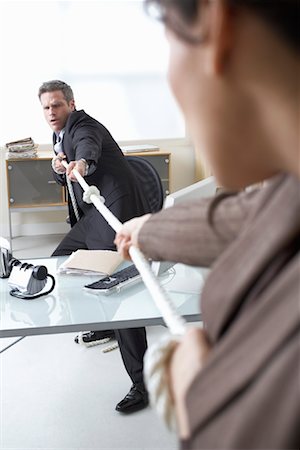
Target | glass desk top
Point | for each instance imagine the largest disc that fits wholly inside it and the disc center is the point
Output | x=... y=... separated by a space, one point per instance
x=70 y=308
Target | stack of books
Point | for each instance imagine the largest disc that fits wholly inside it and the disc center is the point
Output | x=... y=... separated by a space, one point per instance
x=23 y=148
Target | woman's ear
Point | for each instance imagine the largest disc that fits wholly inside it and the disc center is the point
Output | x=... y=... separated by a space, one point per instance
x=220 y=35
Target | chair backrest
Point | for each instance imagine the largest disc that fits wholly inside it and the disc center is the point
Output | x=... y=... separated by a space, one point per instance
x=149 y=181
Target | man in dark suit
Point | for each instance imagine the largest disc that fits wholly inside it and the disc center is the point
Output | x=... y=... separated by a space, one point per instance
x=89 y=147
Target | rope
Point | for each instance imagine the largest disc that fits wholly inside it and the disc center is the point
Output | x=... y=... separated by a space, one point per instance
x=173 y=320
x=73 y=199
x=156 y=363
x=92 y=190
x=58 y=148
x=157 y=357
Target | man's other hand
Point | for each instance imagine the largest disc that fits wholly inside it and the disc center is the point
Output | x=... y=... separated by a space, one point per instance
x=80 y=166
x=57 y=165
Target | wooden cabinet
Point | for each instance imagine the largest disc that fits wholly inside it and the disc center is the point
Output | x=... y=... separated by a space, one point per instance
x=30 y=184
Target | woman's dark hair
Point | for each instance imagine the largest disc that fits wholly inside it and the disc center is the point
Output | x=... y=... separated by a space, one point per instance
x=282 y=15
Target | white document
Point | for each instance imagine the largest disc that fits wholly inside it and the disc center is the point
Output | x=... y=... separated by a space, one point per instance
x=90 y=262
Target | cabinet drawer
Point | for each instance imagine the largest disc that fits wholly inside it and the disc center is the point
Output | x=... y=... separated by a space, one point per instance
x=30 y=183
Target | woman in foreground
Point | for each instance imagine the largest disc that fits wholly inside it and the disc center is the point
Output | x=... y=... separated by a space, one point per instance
x=234 y=69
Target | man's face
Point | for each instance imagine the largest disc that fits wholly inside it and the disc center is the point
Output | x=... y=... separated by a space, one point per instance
x=56 y=109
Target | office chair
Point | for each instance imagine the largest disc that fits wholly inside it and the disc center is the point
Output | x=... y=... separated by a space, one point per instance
x=149 y=182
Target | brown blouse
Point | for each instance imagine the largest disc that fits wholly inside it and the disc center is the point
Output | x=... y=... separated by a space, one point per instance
x=247 y=395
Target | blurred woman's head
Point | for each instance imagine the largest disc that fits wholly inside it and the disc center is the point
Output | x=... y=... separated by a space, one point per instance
x=234 y=69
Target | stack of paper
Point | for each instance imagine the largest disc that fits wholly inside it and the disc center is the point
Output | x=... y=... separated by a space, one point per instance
x=91 y=262
x=139 y=148
x=23 y=148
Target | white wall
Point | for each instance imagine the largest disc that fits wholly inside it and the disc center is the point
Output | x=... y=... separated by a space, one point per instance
x=182 y=173
x=112 y=54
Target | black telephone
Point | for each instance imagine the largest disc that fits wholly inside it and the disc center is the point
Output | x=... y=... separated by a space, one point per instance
x=26 y=280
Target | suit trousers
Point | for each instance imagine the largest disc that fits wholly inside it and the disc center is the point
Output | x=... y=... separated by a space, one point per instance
x=92 y=232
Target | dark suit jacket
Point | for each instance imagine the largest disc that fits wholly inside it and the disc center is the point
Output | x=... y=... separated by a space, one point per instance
x=247 y=395
x=109 y=171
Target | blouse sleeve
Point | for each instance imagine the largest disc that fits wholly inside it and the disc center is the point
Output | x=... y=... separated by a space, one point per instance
x=196 y=232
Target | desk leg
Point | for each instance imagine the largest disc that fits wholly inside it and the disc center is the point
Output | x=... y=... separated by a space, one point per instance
x=10 y=229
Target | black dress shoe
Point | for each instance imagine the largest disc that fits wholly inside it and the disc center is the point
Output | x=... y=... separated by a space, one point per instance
x=91 y=338
x=135 y=400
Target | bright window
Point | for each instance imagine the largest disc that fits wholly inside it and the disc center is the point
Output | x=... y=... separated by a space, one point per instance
x=110 y=52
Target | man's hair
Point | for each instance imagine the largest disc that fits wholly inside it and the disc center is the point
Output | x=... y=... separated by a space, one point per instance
x=57 y=85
